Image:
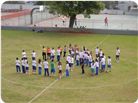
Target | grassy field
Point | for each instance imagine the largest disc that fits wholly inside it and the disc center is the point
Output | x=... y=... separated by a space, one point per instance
x=118 y=86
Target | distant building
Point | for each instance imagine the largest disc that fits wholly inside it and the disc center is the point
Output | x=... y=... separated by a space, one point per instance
x=126 y=6
x=121 y=8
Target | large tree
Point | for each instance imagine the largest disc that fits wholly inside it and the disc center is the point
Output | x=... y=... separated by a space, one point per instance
x=72 y=8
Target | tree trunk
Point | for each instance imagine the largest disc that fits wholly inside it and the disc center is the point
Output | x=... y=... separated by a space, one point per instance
x=72 y=19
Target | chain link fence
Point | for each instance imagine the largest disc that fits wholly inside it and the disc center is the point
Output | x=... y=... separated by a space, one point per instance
x=45 y=19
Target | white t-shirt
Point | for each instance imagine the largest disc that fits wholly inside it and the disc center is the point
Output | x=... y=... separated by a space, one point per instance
x=77 y=57
x=85 y=56
x=58 y=51
x=27 y=65
x=77 y=51
x=69 y=59
x=45 y=64
x=96 y=64
x=92 y=65
x=23 y=62
x=17 y=62
x=118 y=52
x=65 y=49
x=81 y=54
x=101 y=53
x=96 y=51
x=52 y=52
x=24 y=54
x=33 y=54
x=72 y=60
x=59 y=67
x=40 y=64
x=67 y=67
x=103 y=61
x=109 y=61
x=34 y=63
x=104 y=57
x=90 y=58
x=72 y=52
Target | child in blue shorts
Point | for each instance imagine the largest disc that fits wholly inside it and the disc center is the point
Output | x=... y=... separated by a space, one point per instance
x=52 y=67
x=18 y=65
x=39 y=67
x=108 y=64
x=23 y=65
x=77 y=60
x=34 y=66
x=96 y=64
x=27 y=67
x=93 y=68
x=103 y=64
x=67 y=69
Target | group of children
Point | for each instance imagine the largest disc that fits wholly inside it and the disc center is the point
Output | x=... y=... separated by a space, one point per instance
x=72 y=55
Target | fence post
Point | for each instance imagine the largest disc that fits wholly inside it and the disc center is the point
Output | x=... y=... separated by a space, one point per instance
x=31 y=15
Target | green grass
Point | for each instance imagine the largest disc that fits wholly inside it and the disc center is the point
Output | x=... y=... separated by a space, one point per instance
x=120 y=85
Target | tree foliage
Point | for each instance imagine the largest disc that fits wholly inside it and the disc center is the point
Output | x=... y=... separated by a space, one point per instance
x=72 y=8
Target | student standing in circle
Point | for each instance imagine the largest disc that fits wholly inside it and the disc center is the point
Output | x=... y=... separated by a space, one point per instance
x=33 y=55
x=46 y=71
x=97 y=52
x=27 y=67
x=67 y=69
x=34 y=66
x=65 y=50
x=60 y=69
x=39 y=67
x=18 y=65
x=52 y=67
x=109 y=64
x=24 y=54
x=96 y=64
x=23 y=65
x=44 y=53
x=58 y=54
x=93 y=68
x=82 y=66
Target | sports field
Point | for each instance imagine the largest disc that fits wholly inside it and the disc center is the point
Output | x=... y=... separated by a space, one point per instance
x=119 y=86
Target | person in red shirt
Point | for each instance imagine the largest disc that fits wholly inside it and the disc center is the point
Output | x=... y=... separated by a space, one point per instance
x=106 y=21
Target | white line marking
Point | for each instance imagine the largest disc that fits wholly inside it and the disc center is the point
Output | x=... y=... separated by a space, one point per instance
x=47 y=87
x=13 y=82
x=101 y=86
x=34 y=98
x=50 y=85
x=42 y=91
x=102 y=41
x=57 y=80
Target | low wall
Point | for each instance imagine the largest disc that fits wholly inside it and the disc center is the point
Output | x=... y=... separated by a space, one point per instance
x=16 y=14
x=73 y=30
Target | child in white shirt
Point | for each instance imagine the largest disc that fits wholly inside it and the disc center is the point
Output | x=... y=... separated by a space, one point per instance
x=109 y=64
x=117 y=54
x=18 y=65
x=67 y=69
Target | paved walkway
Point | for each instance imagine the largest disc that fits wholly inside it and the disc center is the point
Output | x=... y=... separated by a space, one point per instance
x=125 y=22
x=44 y=19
